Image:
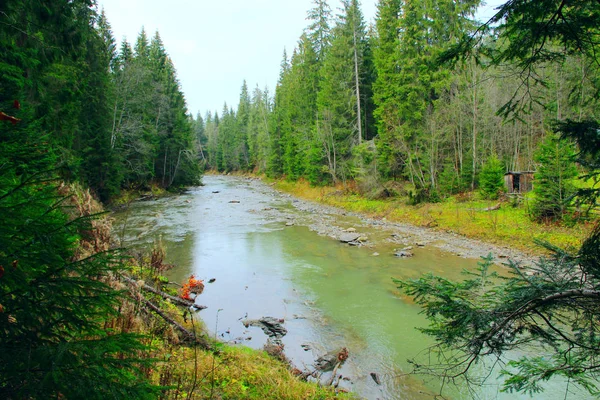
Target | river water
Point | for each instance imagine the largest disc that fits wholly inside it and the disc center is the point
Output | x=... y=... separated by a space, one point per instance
x=329 y=294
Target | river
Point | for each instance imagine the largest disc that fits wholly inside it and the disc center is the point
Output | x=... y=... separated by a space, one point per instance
x=265 y=261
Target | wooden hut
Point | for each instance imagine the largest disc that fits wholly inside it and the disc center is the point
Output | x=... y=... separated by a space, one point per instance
x=518 y=182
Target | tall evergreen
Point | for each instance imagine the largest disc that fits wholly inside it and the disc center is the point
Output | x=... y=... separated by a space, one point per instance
x=54 y=301
x=319 y=30
x=280 y=121
x=338 y=102
x=553 y=181
x=386 y=87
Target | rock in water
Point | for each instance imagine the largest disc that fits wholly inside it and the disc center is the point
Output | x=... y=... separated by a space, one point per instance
x=375 y=378
x=349 y=237
x=272 y=327
x=403 y=254
x=330 y=360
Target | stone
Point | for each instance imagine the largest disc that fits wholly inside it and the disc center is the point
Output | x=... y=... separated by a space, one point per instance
x=328 y=361
x=349 y=237
x=375 y=378
x=272 y=327
x=403 y=254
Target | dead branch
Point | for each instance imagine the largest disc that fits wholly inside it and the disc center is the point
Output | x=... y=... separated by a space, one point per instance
x=188 y=335
x=334 y=373
x=174 y=299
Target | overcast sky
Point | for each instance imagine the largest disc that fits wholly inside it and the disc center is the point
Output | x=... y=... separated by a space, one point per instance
x=216 y=44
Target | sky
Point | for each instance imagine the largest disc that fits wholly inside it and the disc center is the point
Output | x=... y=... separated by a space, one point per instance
x=217 y=44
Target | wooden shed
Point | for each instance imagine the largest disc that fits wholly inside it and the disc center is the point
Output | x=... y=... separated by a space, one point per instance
x=518 y=182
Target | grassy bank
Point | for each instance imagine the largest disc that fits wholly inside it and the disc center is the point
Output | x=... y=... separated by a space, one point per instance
x=464 y=215
x=230 y=373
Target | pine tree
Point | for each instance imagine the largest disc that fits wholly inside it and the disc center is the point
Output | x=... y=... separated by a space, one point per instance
x=319 y=30
x=53 y=300
x=386 y=88
x=240 y=141
x=553 y=181
x=141 y=48
x=338 y=127
x=280 y=121
x=491 y=178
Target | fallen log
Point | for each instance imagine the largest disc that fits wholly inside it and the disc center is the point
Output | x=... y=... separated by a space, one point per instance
x=174 y=299
x=188 y=335
x=494 y=208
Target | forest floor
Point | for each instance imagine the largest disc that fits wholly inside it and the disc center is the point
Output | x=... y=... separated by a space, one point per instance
x=465 y=226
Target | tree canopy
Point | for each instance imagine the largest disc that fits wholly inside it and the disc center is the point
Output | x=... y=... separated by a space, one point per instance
x=549 y=311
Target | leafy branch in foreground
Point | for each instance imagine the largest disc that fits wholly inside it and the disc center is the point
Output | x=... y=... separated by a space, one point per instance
x=550 y=313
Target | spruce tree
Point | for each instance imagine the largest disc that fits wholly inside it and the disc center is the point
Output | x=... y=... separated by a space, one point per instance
x=553 y=181
x=54 y=301
x=491 y=178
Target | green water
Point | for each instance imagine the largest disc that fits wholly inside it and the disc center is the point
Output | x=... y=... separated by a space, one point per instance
x=330 y=295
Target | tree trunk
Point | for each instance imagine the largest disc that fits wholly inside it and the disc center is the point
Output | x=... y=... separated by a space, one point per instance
x=357 y=82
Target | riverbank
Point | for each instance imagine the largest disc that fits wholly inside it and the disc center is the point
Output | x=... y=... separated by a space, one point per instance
x=188 y=362
x=470 y=228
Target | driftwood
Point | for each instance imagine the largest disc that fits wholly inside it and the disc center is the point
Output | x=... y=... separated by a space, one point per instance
x=334 y=373
x=188 y=335
x=326 y=363
x=174 y=299
x=493 y=208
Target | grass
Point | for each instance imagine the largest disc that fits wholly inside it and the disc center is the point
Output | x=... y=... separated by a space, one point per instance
x=232 y=373
x=464 y=215
x=127 y=196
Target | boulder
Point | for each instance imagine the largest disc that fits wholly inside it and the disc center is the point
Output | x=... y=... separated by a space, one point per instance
x=403 y=254
x=349 y=237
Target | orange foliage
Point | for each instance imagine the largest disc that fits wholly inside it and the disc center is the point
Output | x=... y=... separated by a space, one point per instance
x=192 y=285
x=10 y=118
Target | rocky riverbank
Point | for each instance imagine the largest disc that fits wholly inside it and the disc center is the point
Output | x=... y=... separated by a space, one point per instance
x=359 y=229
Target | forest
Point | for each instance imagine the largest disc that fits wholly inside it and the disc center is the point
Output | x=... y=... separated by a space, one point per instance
x=423 y=104
x=375 y=105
